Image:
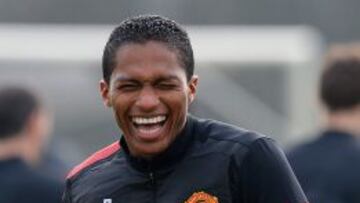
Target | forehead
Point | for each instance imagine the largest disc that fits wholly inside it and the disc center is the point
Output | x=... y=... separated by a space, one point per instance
x=150 y=49
x=146 y=58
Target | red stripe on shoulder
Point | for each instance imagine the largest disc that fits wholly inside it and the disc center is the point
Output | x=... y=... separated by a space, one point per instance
x=97 y=156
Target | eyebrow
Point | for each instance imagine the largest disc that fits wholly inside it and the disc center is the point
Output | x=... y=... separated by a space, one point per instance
x=123 y=78
x=167 y=78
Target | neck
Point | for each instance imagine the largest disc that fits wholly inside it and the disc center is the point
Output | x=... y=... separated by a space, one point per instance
x=17 y=147
x=345 y=120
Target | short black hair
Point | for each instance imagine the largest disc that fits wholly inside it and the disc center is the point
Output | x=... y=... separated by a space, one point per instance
x=142 y=29
x=16 y=106
x=340 y=84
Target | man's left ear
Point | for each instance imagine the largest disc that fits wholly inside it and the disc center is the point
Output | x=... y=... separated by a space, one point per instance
x=192 y=88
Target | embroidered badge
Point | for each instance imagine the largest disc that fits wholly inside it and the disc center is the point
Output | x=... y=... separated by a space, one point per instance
x=202 y=197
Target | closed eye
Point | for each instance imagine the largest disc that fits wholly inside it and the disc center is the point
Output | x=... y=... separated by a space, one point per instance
x=166 y=86
x=128 y=87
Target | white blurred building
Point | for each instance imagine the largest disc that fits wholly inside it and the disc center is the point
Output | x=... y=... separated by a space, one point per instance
x=262 y=78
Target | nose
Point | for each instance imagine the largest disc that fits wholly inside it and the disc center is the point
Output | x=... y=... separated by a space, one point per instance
x=147 y=100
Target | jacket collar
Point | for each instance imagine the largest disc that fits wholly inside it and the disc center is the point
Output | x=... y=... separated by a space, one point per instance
x=337 y=134
x=172 y=155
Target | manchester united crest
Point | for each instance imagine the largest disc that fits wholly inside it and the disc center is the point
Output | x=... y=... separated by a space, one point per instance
x=202 y=197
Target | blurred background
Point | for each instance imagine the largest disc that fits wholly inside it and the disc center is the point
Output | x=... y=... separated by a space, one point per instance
x=258 y=61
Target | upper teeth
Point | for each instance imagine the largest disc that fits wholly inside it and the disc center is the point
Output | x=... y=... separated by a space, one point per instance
x=152 y=120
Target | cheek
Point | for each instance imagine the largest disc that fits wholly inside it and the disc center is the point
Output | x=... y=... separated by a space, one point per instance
x=122 y=102
x=178 y=104
x=120 y=105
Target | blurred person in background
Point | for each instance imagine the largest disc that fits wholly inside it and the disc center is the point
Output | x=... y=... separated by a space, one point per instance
x=24 y=130
x=328 y=167
x=165 y=154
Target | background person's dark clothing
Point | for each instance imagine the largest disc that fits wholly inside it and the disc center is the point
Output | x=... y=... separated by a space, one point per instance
x=232 y=164
x=21 y=184
x=328 y=168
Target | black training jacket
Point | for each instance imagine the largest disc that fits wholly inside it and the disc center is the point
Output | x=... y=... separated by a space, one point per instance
x=208 y=162
x=19 y=183
x=328 y=167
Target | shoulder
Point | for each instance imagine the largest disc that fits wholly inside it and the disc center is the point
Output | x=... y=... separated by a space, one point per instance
x=230 y=141
x=95 y=159
x=224 y=132
x=246 y=149
x=315 y=149
x=33 y=187
x=46 y=190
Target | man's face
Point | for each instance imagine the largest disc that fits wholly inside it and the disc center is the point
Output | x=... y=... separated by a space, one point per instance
x=149 y=95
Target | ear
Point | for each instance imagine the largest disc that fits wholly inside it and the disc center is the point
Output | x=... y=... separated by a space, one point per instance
x=39 y=126
x=104 y=91
x=37 y=131
x=192 y=88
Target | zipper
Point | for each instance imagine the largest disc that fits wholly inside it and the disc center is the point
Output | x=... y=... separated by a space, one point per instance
x=152 y=179
x=153 y=185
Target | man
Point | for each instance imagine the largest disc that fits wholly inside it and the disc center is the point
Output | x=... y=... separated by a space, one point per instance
x=166 y=155
x=23 y=132
x=328 y=167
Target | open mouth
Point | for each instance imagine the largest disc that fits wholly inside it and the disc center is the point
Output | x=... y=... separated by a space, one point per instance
x=149 y=128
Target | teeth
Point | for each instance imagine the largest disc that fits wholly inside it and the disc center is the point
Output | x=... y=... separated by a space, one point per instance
x=152 y=120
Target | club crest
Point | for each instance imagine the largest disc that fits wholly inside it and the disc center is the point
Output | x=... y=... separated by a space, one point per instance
x=202 y=197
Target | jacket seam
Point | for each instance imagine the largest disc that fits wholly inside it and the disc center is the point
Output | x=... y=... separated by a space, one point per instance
x=240 y=142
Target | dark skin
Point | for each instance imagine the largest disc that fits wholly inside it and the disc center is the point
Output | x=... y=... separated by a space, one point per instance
x=150 y=96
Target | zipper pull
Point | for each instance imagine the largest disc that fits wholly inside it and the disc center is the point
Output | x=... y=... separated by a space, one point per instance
x=151 y=176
